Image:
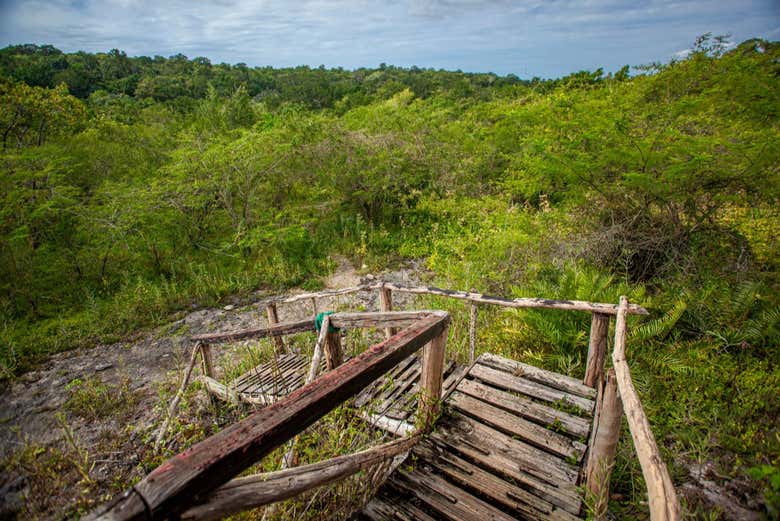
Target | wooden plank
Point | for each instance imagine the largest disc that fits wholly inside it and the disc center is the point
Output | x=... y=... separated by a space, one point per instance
x=382 y=508
x=517 y=427
x=262 y=332
x=542 y=376
x=536 y=390
x=249 y=492
x=488 y=484
x=527 y=408
x=568 y=305
x=660 y=490
x=561 y=494
x=532 y=460
x=449 y=501
x=175 y=485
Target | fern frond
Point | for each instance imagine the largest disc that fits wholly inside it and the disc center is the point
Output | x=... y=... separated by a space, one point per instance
x=660 y=327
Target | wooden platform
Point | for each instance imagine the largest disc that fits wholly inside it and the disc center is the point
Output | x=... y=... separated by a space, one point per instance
x=510 y=445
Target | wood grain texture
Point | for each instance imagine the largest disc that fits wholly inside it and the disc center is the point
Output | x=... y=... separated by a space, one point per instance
x=597 y=349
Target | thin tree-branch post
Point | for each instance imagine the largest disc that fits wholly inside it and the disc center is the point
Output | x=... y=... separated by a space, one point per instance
x=601 y=460
x=273 y=319
x=176 y=399
x=431 y=381
x=472 y=330
x=386 y=304
x=597 y=349
x=661 y=496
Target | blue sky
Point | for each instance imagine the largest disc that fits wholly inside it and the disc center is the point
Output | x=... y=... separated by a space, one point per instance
x=528 y=38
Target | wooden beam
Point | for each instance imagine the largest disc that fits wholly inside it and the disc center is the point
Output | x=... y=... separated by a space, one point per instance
x=262 y=332
x=431 y=380
x=207 y=360
x=273 y=319
x=386 y=304
x=181 y=481
x=597 y=349
x=661 y=495
x=601 y=459
x=254 y=491
x=570 y=305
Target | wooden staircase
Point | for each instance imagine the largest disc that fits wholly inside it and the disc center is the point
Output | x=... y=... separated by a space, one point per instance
x=510 y=444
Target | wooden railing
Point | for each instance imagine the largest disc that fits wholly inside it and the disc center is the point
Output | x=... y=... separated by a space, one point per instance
x=183 y=483
x=177 y=486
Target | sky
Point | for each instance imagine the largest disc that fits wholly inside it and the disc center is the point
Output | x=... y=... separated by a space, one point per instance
x=544 y=38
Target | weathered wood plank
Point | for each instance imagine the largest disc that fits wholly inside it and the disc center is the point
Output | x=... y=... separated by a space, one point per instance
x=517 y=427
x=377 y=319
x=536 y=390
x=448 y=500
x=248 y=492
x=542 y=376
x=562 y=494
x=527 y=408
x=488 y=484
x=384 y=508
x=176 y=484
x=536 y=462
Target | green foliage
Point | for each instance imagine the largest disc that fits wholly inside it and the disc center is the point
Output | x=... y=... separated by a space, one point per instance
x=135 y=188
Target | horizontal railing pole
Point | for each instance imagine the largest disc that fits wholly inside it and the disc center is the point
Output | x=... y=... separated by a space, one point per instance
x=176 y=484
x=660 y=490
x=242 y=494
x=287 y=328
x=570 y=305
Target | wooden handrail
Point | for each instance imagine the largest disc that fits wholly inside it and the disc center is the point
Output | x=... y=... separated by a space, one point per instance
x=242 y=494
x=662 y=497
x=178 y=483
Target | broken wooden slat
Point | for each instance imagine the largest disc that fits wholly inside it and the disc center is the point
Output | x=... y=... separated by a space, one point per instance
x=488 y=484
x=383 y=508
x=449 y=501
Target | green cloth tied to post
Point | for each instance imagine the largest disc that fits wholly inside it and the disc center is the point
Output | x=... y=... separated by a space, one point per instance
x=320 y=318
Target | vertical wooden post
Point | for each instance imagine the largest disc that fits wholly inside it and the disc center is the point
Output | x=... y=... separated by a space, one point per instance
x=314 y=305
x=207 y=360
x=597 y=349
x=333 y=354
x=386 y=304
x=431 y=381
x=601 y=459
x=273 y=319
x=472 y=331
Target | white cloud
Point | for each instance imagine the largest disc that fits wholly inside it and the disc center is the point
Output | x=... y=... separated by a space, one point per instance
x=534 y=37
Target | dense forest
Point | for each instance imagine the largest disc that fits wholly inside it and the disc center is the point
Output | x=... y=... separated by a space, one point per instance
x=134 y=187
